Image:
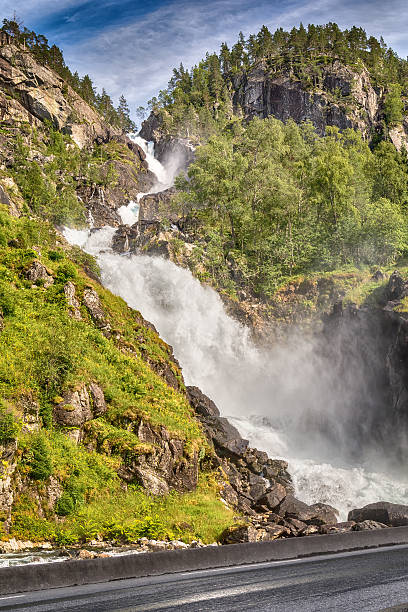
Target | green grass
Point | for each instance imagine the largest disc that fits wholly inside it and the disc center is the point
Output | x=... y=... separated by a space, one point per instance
x=44 y=352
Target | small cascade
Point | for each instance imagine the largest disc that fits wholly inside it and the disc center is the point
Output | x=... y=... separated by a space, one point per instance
x=130 y=213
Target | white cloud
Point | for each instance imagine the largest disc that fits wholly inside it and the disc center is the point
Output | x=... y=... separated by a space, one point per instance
x=137 y=59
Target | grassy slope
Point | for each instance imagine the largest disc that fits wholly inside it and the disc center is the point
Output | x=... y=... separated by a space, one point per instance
x=44 y=352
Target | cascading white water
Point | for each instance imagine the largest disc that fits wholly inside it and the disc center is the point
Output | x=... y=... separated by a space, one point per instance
x=265 y=393
x=164 y=179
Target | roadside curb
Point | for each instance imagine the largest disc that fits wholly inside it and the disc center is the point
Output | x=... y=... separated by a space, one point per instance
x=40 y=576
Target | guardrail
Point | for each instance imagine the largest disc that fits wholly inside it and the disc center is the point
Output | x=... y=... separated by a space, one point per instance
x=40 y=576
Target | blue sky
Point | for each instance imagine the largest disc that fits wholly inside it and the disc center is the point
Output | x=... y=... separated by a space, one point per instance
x=131 y=46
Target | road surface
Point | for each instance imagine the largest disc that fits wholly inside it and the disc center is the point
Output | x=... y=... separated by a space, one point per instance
x=351 y=582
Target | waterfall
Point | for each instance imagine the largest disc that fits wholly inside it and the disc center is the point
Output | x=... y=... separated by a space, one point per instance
x=283 y=399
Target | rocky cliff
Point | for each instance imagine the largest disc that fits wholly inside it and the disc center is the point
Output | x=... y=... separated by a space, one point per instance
x=33 y=96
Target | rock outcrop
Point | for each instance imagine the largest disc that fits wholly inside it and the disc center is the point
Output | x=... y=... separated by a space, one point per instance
x=259 y=487
x=344 y=98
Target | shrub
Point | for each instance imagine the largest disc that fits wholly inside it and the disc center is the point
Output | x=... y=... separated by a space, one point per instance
x=7 y=299
x=8 y=426
x=66 y=271
x=64 y=505
x=40 y=461
x=56 y=255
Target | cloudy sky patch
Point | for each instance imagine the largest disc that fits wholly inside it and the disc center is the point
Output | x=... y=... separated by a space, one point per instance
x=130 y=47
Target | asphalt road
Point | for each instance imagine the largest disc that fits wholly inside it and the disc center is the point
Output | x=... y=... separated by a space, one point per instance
x=353 y=582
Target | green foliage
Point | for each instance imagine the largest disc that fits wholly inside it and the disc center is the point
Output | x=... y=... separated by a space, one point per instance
x=39 y=460
x=8 y=426
x=393 y=105
x=125 y=516
x=272 y=200
x=7 y=299
x=66 y=271
x=64 y=505
x=197 y=102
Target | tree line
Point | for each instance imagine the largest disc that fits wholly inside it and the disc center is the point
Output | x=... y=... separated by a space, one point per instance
x=276 y=199
x=195 y=97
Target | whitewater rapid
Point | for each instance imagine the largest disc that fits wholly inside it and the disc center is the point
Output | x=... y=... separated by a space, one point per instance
x=261 y=391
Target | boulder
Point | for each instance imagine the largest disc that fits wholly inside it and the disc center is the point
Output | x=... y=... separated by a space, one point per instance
x=99 y=406
x=273 y=497
x=94 y=306
x=202 y=404
x=151 y=481
x=239 y=533
x=37 y=273
x=74 y=408
x=392 y=515
x=72 y=301
x=318 y=514
x=396 y=288
x=324 y=514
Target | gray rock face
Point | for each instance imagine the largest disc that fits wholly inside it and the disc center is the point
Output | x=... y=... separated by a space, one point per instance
x=75 y=408
x=99 y=406
x=38 y=273
x=94 y=306
x=259 y=487
x=344 y=98
x=174 y=152
x=158 y=206
x=391 y=515
x=164 y=466
x=72 y=301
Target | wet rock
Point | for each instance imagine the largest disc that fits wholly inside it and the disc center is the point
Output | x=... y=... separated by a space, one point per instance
x=87 y=554
x=38 y=273
x=392 y=515
x=72 y=301
x=202 y=404
x=225 y=437
x=365 y=525
x=159 y=207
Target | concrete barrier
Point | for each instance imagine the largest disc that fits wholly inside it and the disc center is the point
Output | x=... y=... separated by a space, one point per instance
x=79 y=572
